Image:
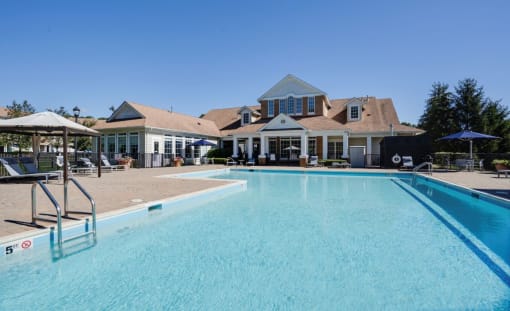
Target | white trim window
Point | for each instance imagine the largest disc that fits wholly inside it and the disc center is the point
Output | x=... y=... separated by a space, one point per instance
x=282 y=106
x=312 y=146
x=311 y=105
x=354 y=112
x=246 y=118
x=290 y=105
x=168 y=144
x=111 y=144
x=133 y=145
x=299 y=105
x=270 y=108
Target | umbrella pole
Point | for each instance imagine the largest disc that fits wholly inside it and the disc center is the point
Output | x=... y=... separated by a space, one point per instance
x=470 y=149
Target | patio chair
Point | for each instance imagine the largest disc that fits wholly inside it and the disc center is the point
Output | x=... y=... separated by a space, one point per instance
x=85 y=166
x=407 y=162
x=16 y=173
x=314 y=161
x=108 y=167
x=250 y=162
x=29 y=165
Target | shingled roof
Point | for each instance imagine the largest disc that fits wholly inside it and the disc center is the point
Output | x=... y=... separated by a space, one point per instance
x=377 y=115
x=145 y=116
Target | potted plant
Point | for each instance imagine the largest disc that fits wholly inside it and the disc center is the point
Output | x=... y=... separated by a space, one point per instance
x=178 y=161
x=126 y=161
x=500 y=164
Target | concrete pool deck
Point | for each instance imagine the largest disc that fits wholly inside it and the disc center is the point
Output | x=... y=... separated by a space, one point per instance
x=124 y=189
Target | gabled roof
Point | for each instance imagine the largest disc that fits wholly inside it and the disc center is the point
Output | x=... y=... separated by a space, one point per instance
x=133 y=115
x=281 y=122
x=227 y=119
x=291 y=86
x=377 y=115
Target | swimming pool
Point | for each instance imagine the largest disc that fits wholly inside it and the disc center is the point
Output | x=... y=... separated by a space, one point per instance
x=290 y=241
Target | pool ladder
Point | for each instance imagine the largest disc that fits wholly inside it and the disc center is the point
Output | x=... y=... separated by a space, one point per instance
x=427 y=164
x=60 y=241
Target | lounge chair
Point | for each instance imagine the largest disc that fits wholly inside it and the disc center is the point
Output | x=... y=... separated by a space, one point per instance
x=340 y=165
x=314 y=161
x=504 y=172
x=85 y=166
x=250 y=162
x=16 y=173
x=108 y=167
x=230 y=161
x=407 y=162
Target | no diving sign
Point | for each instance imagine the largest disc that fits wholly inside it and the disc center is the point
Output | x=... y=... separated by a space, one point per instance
x=16 y=246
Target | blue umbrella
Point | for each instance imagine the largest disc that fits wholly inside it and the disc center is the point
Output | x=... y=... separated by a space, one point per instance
x=203 y=142
x=468 y=135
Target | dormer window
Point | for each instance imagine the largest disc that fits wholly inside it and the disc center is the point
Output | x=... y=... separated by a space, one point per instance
x=246 y=118
x=270 y=108
x=354 y=112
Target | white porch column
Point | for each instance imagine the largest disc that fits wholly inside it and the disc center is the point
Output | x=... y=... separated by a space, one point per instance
x=250 y=147
x=236 y=147
x=174 y=139
x=345 y=154
x=182 y=152
x=369 y=150
x=262 y=145
x=304 y=145
x=324 y=147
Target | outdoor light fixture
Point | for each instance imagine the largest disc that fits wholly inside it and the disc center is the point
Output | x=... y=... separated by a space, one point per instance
x=76 y=112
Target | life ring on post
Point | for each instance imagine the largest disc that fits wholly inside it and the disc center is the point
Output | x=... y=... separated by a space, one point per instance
x=396 y=159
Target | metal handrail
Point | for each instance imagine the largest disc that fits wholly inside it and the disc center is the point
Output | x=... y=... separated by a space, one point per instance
x=429 y=167
x=87 y=195
x=55 y=204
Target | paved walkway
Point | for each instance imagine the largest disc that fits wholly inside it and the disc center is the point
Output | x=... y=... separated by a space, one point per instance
x=118 y=190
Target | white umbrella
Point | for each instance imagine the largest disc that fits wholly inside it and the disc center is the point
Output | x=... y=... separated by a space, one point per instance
x=291 y=148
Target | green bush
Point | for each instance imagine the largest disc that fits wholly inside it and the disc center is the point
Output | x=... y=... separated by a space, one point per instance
x=218 y=153
x=219 y=160
x=500 y=161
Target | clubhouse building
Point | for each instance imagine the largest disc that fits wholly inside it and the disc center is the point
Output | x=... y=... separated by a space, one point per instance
x=293 y=120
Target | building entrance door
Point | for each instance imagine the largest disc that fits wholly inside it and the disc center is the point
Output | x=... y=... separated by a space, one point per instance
x=357 y=156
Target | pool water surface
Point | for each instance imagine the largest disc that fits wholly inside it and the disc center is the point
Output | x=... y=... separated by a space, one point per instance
x=289 y=241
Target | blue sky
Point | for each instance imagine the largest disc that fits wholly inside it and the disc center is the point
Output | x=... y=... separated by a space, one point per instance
x=197 y=55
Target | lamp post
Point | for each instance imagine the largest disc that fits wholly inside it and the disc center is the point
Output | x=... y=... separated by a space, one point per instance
x=76 y=112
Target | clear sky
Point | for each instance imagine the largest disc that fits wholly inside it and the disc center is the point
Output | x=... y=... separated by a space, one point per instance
x=198 y=55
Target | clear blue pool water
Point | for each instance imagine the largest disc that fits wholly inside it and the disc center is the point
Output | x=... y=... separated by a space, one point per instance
x=292 y=242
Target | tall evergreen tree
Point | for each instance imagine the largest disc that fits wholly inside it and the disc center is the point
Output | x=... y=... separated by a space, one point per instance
x=469 y=104
x=496 y=122
x=438 y=117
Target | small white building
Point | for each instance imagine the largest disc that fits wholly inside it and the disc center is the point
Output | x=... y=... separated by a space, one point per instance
x=154 y=135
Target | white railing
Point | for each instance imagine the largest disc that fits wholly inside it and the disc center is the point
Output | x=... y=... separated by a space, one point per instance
x=427 y=164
